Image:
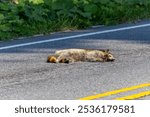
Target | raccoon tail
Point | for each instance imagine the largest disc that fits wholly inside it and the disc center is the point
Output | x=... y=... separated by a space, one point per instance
x=52 y=59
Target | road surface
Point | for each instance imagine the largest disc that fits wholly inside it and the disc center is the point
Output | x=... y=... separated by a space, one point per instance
x=24 y=73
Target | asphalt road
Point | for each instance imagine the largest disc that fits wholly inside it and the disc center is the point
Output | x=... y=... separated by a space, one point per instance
x=24 y=73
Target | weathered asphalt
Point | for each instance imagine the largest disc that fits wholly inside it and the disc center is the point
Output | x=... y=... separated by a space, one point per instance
x=24 y=73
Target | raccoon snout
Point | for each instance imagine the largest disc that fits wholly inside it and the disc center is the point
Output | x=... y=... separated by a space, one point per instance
x=111 y=60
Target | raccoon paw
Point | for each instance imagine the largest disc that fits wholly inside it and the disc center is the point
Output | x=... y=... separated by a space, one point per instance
x=64 y=60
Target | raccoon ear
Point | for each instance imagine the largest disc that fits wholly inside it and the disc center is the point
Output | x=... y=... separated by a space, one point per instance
x=107 y=50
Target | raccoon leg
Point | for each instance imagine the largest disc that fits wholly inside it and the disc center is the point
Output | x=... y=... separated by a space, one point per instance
x=57 y=59
x=71 y=60
x=66 y=60
x=99 y=60
x=63 y=60
x=52 y=59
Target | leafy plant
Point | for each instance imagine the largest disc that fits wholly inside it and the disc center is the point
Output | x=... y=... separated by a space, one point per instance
x=29 y=17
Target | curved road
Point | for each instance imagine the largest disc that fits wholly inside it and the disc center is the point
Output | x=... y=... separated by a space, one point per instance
x=24 y=73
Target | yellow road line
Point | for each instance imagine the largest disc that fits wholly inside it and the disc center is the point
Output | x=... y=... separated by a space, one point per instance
x=115 y=92
x=134 y=96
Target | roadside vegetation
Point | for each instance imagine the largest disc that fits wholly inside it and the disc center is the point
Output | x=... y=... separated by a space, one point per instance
x=29 y=17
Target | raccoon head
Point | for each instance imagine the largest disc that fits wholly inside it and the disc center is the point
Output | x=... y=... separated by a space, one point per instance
x=108 y=56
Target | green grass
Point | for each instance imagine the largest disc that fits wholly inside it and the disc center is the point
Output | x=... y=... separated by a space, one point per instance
x=31 y=17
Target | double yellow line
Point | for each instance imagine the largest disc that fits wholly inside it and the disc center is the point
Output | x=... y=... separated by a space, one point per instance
x=134 y=96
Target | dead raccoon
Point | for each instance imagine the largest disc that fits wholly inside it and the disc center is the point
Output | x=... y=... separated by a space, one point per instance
x=75 y=55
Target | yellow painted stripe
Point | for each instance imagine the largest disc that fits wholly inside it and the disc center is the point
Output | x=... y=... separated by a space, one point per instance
x=115 y=92
x=134 y=96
